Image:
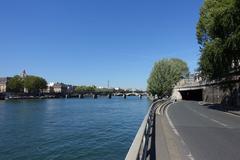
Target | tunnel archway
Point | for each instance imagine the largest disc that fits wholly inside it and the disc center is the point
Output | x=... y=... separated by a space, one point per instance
x=196 y=94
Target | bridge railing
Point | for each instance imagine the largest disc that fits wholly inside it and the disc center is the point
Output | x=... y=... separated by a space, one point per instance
x=139 y=147
x=190 y=84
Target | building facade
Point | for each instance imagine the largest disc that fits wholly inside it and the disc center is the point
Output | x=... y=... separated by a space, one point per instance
x=59 y=88
x=3 y=84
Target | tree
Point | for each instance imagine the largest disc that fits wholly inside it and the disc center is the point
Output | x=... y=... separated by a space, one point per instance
x=181 y=67
x=15 y=84
x=218 y=33
x=85 y=89
x=34 y=84
x=165 y=74
x=104 y=91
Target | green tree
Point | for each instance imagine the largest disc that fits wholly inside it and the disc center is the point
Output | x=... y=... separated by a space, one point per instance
x=165 y=74
x=218 y=33
x=104 y=90
x=34 y=84
x=85 y=89
x=15 y=84
x=181 y=67
x=81 y=89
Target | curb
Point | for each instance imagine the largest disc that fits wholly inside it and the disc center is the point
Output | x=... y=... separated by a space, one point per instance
x=237 y=114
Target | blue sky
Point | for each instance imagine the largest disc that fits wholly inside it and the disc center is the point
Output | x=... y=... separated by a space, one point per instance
x=92 y=41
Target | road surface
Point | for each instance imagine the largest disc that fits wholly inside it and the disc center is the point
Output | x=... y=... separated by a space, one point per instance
x=209 y=134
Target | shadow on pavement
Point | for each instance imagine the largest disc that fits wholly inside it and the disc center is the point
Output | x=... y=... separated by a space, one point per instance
x=223 y=108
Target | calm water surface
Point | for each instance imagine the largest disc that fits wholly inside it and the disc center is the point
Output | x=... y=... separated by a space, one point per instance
x=69 y=129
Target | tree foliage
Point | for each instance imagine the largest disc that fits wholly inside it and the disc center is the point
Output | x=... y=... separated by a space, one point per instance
x=165 y=74
x=34 y=84
x=85 y=89
x=15 y=84
x=104 y=90
x=218 y=33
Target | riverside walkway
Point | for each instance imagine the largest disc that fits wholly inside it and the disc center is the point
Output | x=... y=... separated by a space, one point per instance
x=186 y=130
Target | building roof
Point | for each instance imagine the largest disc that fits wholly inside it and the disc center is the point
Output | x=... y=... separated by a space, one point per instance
x=23 y=74
x=59 y=85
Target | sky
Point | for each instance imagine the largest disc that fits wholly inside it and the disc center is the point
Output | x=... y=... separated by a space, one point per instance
x=88 y=42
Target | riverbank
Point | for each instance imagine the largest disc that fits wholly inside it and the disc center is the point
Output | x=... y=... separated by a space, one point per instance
x=80 y=96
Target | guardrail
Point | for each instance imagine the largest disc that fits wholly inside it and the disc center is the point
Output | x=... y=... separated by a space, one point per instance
x=162 y=109
x=139 y=147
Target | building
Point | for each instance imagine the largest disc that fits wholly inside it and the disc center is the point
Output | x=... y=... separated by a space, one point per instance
x=3 y=84
x=70 y=88
x=23 y=74
x=49 y=88
x=59 y=88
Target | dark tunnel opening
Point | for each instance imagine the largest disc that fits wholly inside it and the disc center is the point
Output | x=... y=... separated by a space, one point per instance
x=195 y=95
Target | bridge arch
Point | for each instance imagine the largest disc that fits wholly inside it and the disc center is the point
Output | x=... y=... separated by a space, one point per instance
x=196 y=94
x=188 y=94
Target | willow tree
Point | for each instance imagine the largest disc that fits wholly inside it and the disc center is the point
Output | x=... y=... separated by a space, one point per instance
x=165 y=74
x=218 y=33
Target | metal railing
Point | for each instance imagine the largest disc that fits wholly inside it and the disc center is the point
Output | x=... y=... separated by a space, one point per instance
x=139 y=147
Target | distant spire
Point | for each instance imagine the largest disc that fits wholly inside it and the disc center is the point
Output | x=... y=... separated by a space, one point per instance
x=23 y=74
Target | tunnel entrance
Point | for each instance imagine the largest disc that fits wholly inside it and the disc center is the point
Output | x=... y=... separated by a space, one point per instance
x=195 y=95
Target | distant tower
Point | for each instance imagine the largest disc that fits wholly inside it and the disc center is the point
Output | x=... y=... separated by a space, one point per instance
x=108 y=84
x=23 y=74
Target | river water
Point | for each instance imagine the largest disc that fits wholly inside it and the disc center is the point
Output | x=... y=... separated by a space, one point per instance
x=69 y=129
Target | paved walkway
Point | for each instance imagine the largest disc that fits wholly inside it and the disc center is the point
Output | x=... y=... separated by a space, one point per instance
x=209 y=134
x=168 y=145
x=233 y=110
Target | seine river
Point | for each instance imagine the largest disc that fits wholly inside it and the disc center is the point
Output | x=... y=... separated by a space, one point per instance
x=69 y=129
